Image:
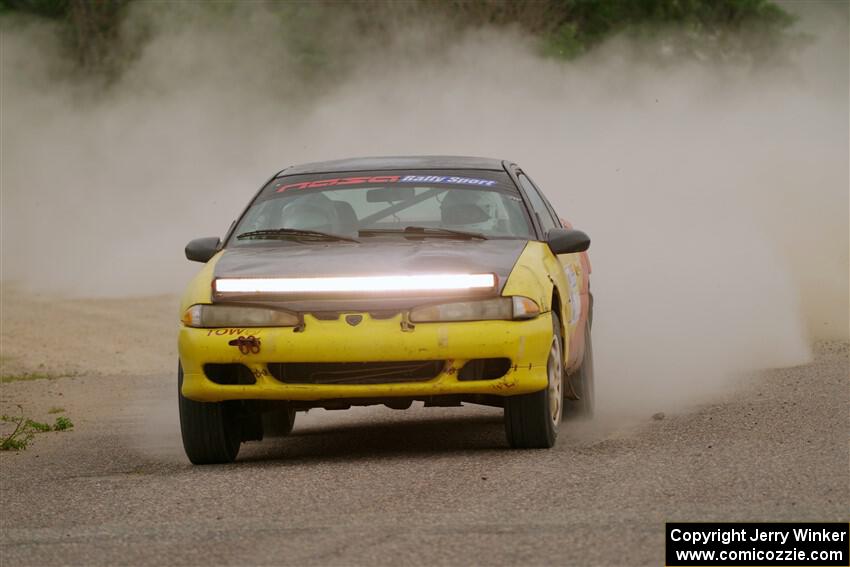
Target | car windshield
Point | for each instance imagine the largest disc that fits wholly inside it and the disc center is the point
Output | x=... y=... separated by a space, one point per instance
x=385 y=204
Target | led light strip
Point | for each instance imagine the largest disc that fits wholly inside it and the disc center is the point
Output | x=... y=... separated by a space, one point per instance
x=432 y=282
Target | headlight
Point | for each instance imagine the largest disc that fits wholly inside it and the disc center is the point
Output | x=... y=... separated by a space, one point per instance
x=233 y=316
x=505 y=308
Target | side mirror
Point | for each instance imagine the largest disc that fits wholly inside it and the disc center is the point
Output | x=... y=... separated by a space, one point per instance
x=567 y=241
x=202 y=249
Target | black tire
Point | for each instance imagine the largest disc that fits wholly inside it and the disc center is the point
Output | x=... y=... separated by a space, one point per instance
x=581 y=384
x=529 y=421
x=211 y=430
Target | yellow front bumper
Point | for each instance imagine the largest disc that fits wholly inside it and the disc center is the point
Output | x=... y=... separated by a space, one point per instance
x=525 y=343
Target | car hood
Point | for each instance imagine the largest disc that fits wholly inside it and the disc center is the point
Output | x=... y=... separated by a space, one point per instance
x=331 y=259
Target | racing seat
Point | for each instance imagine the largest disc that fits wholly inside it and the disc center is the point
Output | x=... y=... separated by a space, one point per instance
x=310 y=212
x=461 y=208
x=348 y=224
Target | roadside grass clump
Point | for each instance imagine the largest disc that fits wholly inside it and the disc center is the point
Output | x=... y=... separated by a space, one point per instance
x=26 y=428
x=37 y=426
x=34 y=376
x=20 y=437
x=62 y=423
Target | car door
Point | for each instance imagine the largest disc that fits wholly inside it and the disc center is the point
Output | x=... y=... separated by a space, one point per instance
x=574 y=274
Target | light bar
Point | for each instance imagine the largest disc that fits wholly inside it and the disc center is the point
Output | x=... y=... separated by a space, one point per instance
x=431 y=282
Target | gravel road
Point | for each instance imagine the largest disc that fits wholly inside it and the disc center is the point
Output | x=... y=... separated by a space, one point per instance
x=425 y=486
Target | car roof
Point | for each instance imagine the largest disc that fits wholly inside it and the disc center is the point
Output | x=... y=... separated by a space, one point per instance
x=395 y=162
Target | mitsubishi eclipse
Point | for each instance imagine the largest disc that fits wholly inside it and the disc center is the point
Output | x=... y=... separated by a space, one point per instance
x=446 y=280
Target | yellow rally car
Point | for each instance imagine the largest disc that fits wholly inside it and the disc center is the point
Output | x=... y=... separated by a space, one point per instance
x=386 y=281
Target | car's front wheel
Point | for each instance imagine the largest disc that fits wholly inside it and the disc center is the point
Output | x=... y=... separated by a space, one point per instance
x=211 y=430
x=532 y=420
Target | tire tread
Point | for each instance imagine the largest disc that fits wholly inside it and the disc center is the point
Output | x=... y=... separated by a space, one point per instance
x=207 y=429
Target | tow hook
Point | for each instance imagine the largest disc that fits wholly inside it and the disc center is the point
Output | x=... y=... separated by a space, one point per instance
x=247 y=345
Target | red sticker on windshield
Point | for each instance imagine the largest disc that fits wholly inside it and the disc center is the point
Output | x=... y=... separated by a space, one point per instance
x=339 y=181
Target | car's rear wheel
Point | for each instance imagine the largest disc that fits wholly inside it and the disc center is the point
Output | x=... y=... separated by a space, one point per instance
x=532 y=420
x=581 y=399
x=211 y=430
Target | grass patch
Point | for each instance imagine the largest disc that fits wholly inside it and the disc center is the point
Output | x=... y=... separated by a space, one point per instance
x=62 y=423
x=35 y=376
x=37 y=426
x=26 y=428
x=15 y=443
x=20 y=437
x=55 y=410
x=10 y=372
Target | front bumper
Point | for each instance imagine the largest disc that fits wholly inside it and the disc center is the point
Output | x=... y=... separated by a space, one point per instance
x=525 y=343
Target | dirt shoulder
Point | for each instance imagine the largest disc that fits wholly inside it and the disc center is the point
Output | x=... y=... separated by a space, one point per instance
x=47 y=335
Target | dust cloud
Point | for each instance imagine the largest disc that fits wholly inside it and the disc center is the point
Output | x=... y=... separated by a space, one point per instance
x=716 y=196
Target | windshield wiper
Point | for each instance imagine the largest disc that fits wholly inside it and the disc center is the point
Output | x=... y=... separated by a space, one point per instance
x=294 y=233
x=420 y=231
